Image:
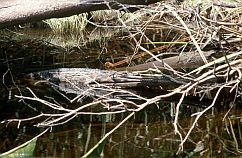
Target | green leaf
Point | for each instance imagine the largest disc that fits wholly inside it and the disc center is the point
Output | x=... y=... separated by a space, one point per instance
x=24 y=150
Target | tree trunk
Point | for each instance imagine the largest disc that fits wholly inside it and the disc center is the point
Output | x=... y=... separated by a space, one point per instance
x=15 y=12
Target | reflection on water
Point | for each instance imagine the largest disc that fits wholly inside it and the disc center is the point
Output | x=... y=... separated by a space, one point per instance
x=149 y=133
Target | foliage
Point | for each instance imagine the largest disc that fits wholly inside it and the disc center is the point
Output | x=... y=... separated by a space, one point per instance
x=24 y=150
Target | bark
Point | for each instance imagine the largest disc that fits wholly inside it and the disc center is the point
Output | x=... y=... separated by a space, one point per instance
x=15 y=12
x=186 y=60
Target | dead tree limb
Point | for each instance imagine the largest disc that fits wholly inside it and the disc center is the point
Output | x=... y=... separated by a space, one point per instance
x=186 y=60
x=15 y=12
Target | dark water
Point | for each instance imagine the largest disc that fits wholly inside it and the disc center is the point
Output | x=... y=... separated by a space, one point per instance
x=149 y=133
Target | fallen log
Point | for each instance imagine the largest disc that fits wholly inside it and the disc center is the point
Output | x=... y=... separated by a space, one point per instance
x=183 y=61
x=15 y=12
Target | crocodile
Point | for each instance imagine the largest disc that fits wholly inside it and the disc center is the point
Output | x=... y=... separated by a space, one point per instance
x=77 y=80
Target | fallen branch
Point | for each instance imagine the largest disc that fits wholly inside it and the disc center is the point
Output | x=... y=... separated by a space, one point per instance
x=15 y=12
